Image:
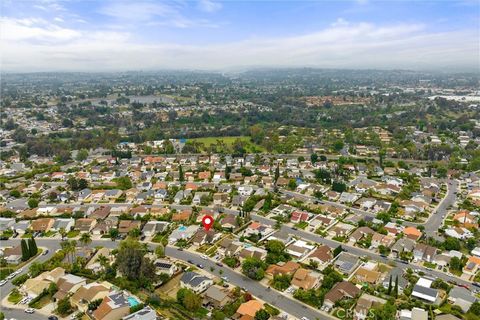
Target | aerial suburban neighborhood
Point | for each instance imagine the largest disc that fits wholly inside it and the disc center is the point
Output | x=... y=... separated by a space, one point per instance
x=239 y=160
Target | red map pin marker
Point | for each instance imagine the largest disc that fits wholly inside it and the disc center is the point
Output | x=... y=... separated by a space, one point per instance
x=207 y=222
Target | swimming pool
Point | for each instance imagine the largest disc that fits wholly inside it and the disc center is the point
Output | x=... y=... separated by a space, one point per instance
x=132 y=301
x=182 y=228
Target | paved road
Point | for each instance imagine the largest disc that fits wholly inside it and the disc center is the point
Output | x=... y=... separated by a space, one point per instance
x=5 y=290
x=431 y=224
x=271 y=296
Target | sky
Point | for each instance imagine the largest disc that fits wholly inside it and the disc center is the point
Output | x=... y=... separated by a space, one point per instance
x=118 y=35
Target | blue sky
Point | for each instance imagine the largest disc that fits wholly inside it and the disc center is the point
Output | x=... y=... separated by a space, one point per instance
x=89 y=35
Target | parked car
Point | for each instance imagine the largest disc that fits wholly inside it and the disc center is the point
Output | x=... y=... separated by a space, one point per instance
x=2 y=283
x=44 y=253
x=30 y=310
x=200 y=266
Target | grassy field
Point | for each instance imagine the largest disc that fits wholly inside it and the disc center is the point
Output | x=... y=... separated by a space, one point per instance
x=228 y=141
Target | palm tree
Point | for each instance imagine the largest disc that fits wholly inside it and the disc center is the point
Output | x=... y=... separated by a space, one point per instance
x=63 y=233
x=103 y=261
x=68 y=248
x=85 y=239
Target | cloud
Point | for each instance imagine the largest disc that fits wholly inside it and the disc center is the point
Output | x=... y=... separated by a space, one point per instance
x=209 y=6
x=37 y=45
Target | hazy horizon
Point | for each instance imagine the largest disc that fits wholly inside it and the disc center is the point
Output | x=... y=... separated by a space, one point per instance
x=205 y=35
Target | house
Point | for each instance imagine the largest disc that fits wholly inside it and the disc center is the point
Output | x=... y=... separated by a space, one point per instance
x=403 y=245
x=367 y=275
x=33 y=287
x=361 y=232
x=304 y=279
x=87 y=294
x=125 y=226
x=396 y=274
x=423 y=252
x=414 y=314
x=153 y=227
x=6 y=224
x=247 y=310
x=412 y=233
x=103 y=227
x=85 y=224
x=184 y=215
x=65 y=224
x=423 y=290
x=461 y=297
x=255 y=252
x=13 y=255
x=42 y=225
x=182 y=232
x=197 y=199
x=216 y=296
x=229 y=221
x=346 y=263
x=472 y=266
x=94 y=263
x=220 y=198
x=347 y=197
x=258 y=228
x=165 y=266
x=146 y=313
x=203 y=236
x=195 y=282
x=365 y=303
x=459 y=233
x=299 y=216
x=299 y=249
x=68 y=284
x=100 y=213
x=321 y=256
x=113 y=307
x=341 y=290
x=20 y=227
x=286 y=268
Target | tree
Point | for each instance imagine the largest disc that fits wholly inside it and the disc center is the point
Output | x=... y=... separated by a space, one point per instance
x=389 y=291
x=113 y=233
x=63 y=306
x=32 y=247
x=292 y=184
x=475 y=308
x=253 y=268
x=180 y=174
x=123 y=183
x=15 y=193
x=32 y=203
x=262 y=315
x=395 y=291
x=160 y=251
x=337 y=251
x=82 y=154
x=187 y=298
x=25 y=251
x=82 y=184
x=456 y=264
x=218 y=315
x=277 y=173
x=314 y=158
x=339 y=186
x=85 y=239
x=133 y=264
x=451 y=244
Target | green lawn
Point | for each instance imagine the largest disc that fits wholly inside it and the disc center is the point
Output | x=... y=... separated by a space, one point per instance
x=73 y=234
x=5 y=272
x=228 y=141
x=301 y=225
x=15 y=297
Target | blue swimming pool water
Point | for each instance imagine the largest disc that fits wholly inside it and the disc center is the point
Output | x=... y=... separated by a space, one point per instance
x=132 y=301
x=182 y=228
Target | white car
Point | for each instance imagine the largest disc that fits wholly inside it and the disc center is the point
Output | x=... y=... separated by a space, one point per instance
x=2 y=283
x=30 y=310
x=204 y=257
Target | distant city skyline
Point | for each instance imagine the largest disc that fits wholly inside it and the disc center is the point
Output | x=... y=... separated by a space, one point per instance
x=50 y=35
